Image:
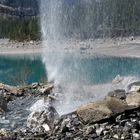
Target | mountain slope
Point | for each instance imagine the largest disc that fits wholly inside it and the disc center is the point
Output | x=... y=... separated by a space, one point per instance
x=19 y=8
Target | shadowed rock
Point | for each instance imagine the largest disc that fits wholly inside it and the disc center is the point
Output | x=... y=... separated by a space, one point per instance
x=3 y=104
x=119 y=93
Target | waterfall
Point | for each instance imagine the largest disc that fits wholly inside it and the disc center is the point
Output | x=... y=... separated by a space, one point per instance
x=51 y=12
x=65 y=20
x=62 y=20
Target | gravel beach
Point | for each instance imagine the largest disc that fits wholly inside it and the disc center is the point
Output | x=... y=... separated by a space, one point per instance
x=120 y=47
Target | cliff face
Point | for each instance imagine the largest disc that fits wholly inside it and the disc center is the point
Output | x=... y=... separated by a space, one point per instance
x=19 y=8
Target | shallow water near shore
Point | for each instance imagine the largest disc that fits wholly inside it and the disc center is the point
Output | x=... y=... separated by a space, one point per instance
x=21 y=69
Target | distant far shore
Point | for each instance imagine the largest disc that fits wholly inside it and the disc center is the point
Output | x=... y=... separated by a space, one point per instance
x=119 y=47
x=14 y=47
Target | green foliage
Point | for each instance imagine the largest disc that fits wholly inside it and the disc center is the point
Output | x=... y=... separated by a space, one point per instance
x=19 y=29
x=94 y=18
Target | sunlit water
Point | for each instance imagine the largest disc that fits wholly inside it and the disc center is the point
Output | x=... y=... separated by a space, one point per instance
x=87 y=70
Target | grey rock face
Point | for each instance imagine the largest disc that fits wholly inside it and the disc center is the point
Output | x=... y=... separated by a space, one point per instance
x=19 y=8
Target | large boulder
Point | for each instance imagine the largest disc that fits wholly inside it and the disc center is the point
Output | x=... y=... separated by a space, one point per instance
x=133 y=99
x=94 y=112
x=42 y=120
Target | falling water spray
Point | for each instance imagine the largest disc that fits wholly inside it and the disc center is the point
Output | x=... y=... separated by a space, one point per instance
x=62 y=21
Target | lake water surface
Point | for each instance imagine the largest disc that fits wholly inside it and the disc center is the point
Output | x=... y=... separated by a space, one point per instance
x=16 y=70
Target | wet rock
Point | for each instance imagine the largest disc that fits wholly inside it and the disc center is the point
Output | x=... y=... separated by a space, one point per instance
x=126 y=136
x=65 y=127
x=105 y=132
x=35 y=85
x=119 y=93
x=90 y=130
x=4 y=121
x=99 y=131
x=136 y=136
x=17 y=91
x=135 y=130
x=43 y=119
x=97 y=111
x=6 y=135
x=133 y=99
x=120 y=118
x=21 y=90
x=131 y=125
x=46 y=89
x=12 y=89
x=116 y=136
x=9 y=98
x=3 y=104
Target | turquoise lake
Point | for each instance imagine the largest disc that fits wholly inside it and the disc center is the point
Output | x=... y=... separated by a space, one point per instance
x=15 y=70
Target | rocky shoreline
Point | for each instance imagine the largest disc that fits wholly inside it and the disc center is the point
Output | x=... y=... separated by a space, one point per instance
x=115 y=117
x=125 y=47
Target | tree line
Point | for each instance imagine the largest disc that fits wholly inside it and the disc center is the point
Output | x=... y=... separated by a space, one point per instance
x=19 y=29
x=82 y=19
x=101 y=18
